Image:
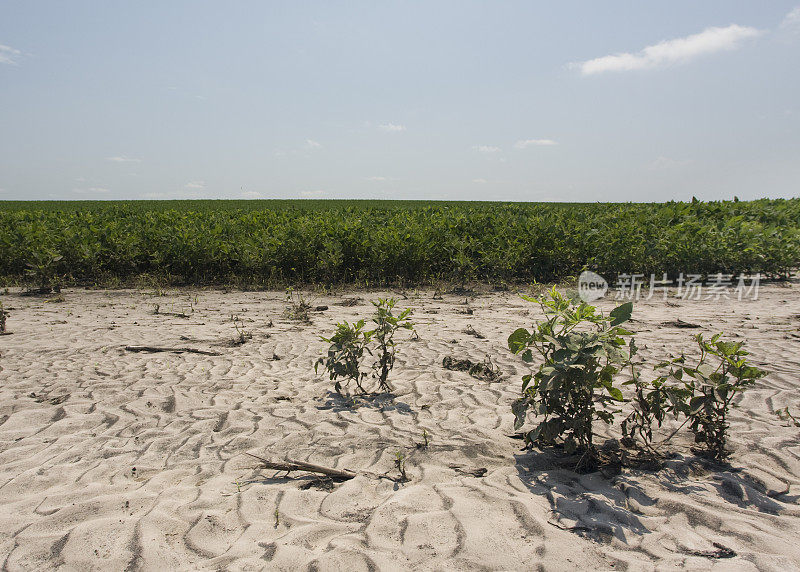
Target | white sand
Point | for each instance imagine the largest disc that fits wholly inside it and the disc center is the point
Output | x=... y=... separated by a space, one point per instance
x=119 y=460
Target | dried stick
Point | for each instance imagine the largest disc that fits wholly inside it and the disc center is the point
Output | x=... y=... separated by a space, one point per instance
x=290 y=465
x=153 y=349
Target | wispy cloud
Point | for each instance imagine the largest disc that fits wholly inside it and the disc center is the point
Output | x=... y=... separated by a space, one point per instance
x=391 y=127
x=252 y=195
x=675 y=51
x=196 y=185
x=486 y=149
x=376 y=179
x=123 y=159
x=9 y=55
x=479 y=181
x=311 y=144
x=525 y=143
x=792 y=20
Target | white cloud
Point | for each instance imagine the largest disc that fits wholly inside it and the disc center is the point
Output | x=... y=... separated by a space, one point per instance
x=792 y=20
x=678 y=50
x=486 y=149
x=9 y=55
x=313 y=194
x=376 y=178
x=479 y=181
x=251 y=195
x=391 y=127
x=123 y=159
x=525 y=143
x=196 y=185
x=311 y=144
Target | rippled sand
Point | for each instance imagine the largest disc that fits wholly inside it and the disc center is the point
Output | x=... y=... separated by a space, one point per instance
x=117 y=460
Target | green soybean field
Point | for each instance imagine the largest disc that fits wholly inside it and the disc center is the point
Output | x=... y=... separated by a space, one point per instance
x=263 y=243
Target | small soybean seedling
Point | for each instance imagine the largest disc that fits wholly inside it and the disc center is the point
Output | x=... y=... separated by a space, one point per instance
x=349 y=342
x=785 y=415
x=400 y=465
x=424 y=444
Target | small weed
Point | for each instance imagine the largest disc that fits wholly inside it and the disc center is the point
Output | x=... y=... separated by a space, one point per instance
x=298 y=307
x=242 y=335
x=470 y=331
x=400 y=465
x=3 y=315
x=783 y=415
x=424 y=444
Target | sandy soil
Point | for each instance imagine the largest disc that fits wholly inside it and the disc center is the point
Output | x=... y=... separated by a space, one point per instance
x=117 y=460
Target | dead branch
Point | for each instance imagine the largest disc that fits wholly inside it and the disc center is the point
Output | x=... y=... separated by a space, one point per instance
x=154 y=349
x=290 y=465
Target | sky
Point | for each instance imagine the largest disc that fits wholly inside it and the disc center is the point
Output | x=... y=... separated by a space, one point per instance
x=457 y=100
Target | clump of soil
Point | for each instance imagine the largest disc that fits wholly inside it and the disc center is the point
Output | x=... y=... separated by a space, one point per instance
x=485 y=370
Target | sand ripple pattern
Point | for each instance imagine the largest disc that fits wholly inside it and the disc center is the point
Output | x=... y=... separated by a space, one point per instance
x=119 y=460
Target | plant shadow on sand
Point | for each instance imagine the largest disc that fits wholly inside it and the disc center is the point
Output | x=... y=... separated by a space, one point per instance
x=603 y=507
x=381 y=401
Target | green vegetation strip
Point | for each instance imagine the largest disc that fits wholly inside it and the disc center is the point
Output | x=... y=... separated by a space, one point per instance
x=263 y=243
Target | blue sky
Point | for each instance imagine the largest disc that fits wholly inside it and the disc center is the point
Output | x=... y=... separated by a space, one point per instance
x=527 y=101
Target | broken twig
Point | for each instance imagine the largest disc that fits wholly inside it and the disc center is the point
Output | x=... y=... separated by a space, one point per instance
x=154 y=349
x=290 y=465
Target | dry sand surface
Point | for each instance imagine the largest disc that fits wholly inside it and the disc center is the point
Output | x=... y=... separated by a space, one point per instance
x=117 y=460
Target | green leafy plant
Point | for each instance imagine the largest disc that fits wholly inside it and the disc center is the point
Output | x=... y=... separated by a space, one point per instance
x=349 y=343
x=582 y=352
x=721 y=373
x=3 y=315
x=41 y=272
x=703 y=394
x=347 y=346
x=266 y=244
x=386 y=326
x=652 y=402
